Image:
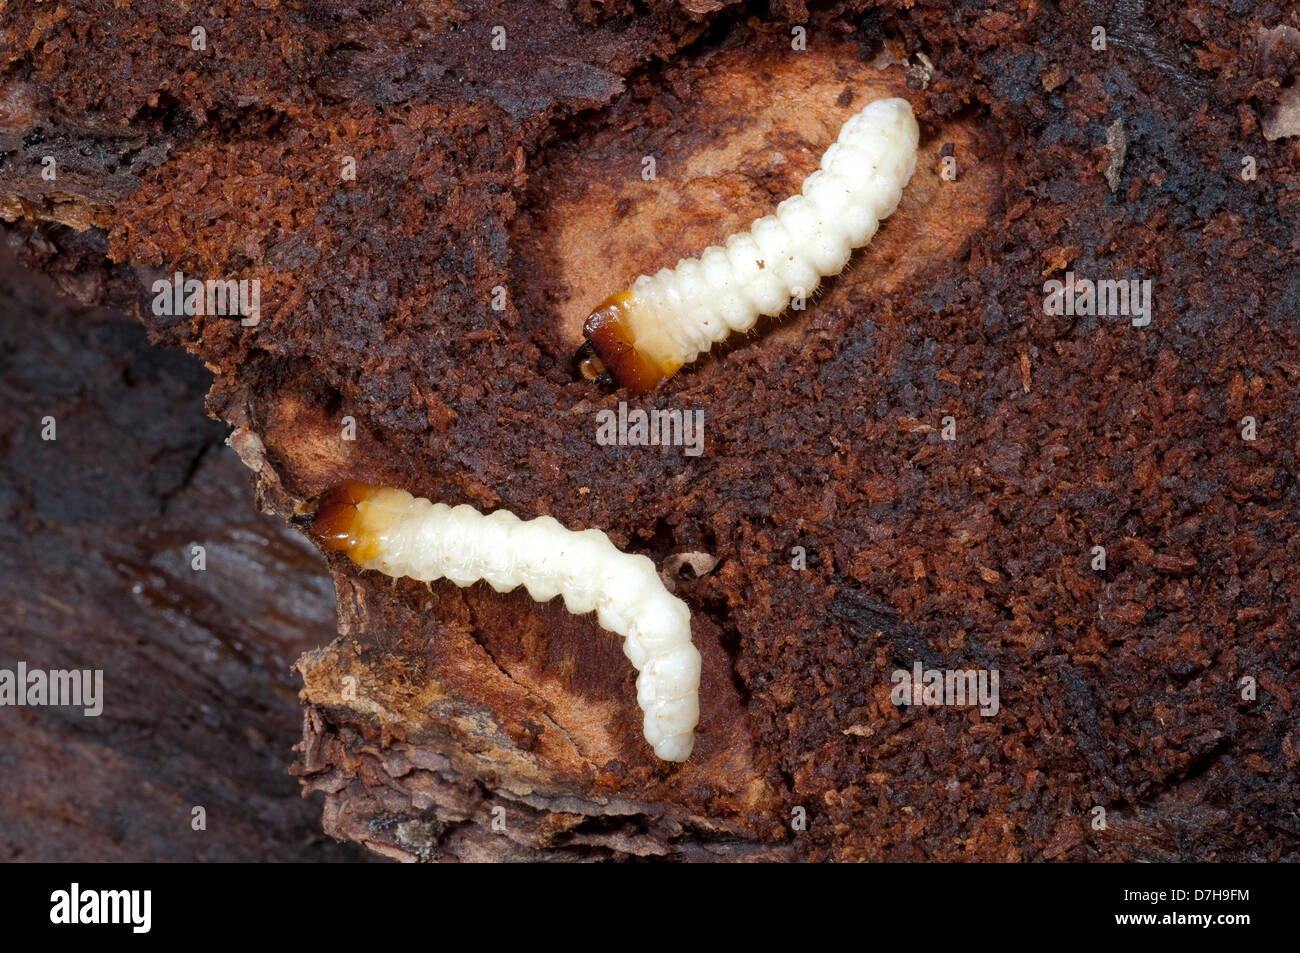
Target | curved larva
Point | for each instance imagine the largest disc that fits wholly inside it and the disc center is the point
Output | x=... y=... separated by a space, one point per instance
x=645 y=334
x=398 y=534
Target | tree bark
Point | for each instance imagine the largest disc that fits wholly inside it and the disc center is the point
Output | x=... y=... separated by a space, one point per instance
x=431 y=206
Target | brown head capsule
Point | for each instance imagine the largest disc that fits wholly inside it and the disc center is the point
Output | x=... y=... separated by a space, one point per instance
x=609 y=331
x=338 y=524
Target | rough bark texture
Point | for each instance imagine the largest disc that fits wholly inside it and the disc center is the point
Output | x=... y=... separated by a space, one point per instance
x=96 y=572
x=521 y=170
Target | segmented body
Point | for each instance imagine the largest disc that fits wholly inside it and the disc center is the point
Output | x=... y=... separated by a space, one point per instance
x=392 y=532
x=664 y=321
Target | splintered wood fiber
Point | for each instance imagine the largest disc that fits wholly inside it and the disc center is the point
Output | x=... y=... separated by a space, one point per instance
x=947 y=455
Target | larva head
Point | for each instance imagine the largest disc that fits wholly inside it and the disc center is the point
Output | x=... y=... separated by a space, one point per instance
x=590 y=367
x=609 y=333
x=346 y=521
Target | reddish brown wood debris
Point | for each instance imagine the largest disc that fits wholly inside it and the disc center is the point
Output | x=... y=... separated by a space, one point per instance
x=517 y=178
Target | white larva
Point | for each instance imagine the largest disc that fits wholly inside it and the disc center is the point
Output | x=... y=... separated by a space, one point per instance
x=643 y=335
x=393 y=532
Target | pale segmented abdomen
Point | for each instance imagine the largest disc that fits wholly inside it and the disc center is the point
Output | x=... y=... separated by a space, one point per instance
x=398 y=534
x=643 y=335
